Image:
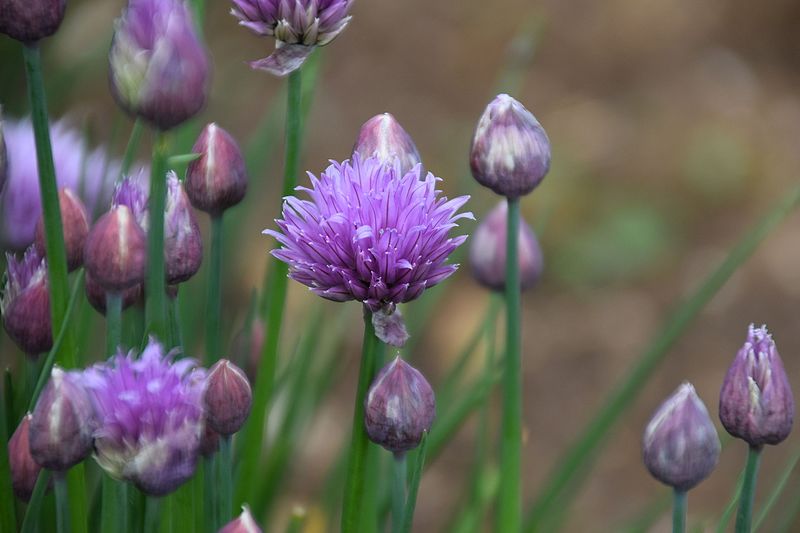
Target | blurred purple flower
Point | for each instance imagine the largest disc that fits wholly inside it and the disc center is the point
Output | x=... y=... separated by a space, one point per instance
x=25 y=302
x=150 y=417
x=133 y=192
x=183 y=244
x=297 y=25
x=159 y=67
x=83 y=172
x=369 y=233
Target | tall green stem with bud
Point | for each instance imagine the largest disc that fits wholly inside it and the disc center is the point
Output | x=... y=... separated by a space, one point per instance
x=744 y=518
x=679 y=511
x=214 y=292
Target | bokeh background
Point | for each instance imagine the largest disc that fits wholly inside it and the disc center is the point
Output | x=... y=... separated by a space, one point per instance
x=674 y=125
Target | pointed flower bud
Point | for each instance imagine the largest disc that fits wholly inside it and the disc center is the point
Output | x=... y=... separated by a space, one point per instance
x=297 y=25
x=399 y=407
x=680 y=445
x=25 y=303
x=510 y=151
x=133 y=192
x=75 y=225
x=383 y=137
x=228 y=398
x=30 y=20
x=216 y=180
x=116 y=250
x=756 y=402
x=24 y=470
x=62 y=423
x=159 y=67
x=183 y=244
x=487 y=251
x=96 y=295
x=244 y=523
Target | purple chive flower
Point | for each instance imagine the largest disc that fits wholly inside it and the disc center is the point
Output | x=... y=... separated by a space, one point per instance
x=680 y=445
x=383 y=137
x=756 y=402
x=183 y=244
x=25 y=303
x=30 y=20
x=159 y=67
x=369 y=233
x=89 y=174
x=487 y=251
x=150 y=417
x=297 y=25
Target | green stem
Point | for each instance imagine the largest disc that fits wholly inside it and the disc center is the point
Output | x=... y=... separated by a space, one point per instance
x=54 y=235
x=400 y=471
x=131 y=148
x=114 y=511
x=62 y=502
x=210 y=508
x=225 y=468
x=214 y=292
x=413 y=485
x=509 y=502
x=276 y=290
x=156 y=306
x=152 y=515
x=359 y=442
x=744 y=517
x=113 y=322
x=679 y=511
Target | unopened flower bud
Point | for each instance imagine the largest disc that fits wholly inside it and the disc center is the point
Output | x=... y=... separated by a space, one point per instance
x=680 y=445
x=244 y=523
x=183 y=244
x=383 y=137
x=25 y=303
x=24 y=470
x=159 y=67
x=756 y=402
x=133 y=192
x=96 y=295
x=62 y=423
x=399 y=407
x=228 y=397
x=116 y=250
x=510 y=151
x=75 y=225
x=217 y=180
x=487 y=252
x=30 y=20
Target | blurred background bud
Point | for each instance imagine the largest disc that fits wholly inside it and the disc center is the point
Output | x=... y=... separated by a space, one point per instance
x=30 y=20
x=228 y=398
x=244 y=523
x=183 y=244
x=756 y=402
x=116 y=250
x=217 y=180
x=25 y=303
x=383 y=137
x=24 y=470
x=487 y=251
x=510 y=151
x=399 y=407
x=681 y=447
x=75 y=224
x=132 y=192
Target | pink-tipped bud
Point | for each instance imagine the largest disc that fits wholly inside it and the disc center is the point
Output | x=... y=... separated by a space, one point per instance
x=97 y=295
x=75 y=224
x=228 y=397
x=183 y=244
x=399 y=408
x=680 y=445
x=510 y=151
x=244 y=523
x=24 y=470
x=116 y=250
x=30 y=20
x=383 y=137
x=217 y=180
x=756 y=402
x=487 y=252
x=25 y=303
x=62 y=423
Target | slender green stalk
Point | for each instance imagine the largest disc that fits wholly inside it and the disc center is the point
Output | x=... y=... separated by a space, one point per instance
x=225 y=468
x=579 y=456
x=254 y=430
x=62 y=502
x=152 y=514
x=54 y=233
x=114 y=505
x=730 y=507
x=113 y=322
x=744 y=517
x=359 y=442
x=413 y=485
x=679 y=511
x=156 y=304
x=213 y=350
x=8 y=518
x=30 y=523
x=509 y=503
x=400 y=471
x=131 y=148
x=210 y=508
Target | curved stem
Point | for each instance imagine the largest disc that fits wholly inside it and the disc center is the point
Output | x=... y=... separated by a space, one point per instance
x=511 y=437
x=399 y=469
x=155 y=305
x=214 y=292
x=744 y=517
x=679 y=511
